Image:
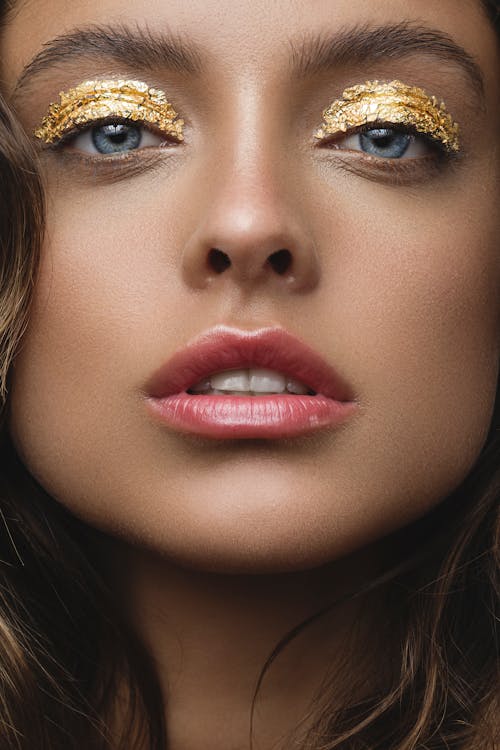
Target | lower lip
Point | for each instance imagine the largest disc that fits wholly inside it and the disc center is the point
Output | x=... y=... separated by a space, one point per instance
x=270 y=416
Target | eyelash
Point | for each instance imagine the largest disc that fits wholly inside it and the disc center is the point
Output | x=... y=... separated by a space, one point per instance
x=367 y=127
x=440 y=150
x=91 y=124
x=396 y=170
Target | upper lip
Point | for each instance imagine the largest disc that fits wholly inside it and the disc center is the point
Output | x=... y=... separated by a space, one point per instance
x=225 y=348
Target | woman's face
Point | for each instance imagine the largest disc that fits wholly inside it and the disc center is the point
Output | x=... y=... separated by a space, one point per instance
x=391 y=270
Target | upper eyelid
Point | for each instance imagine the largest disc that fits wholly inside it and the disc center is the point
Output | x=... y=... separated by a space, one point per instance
x=93 y=101
x=83 y=127
x=392 y=102
x=385 y=125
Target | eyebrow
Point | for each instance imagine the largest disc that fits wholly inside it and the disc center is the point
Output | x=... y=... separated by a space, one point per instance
x=366 y=43
x=311 y=54
x=132 y=47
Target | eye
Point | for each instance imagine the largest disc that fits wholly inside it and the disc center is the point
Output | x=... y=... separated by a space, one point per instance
x=386 y=143
x=115 y=137
x=390 y=121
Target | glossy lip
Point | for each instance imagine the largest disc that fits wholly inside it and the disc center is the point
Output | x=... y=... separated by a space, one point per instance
x=270 y=416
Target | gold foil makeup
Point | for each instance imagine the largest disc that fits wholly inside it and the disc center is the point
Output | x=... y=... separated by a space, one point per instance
x=391 y=103
x=98 y=100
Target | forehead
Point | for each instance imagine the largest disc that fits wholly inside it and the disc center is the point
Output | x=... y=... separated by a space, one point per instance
x=244 y=35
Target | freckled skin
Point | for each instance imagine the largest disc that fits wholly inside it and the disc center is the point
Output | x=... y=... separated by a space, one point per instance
x=402 y=298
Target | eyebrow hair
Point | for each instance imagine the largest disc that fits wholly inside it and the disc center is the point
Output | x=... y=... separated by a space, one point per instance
x=311 y=54
x=134 y=47
x=365 y=43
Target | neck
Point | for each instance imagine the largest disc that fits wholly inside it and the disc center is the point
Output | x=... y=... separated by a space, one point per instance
x=210 y=635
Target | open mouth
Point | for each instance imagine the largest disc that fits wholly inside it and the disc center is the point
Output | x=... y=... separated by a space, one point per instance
x=230 y=383
x=255 y=381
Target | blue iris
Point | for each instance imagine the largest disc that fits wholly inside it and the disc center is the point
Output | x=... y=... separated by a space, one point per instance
x=116 y=138
x=385 y=142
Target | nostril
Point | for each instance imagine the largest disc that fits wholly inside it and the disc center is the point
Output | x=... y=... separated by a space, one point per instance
x=218 y=261
x=280 y=261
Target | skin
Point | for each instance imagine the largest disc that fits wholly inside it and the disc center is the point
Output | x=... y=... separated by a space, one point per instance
x=395 y=285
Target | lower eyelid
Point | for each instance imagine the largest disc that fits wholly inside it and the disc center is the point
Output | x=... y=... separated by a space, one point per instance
x=78 y=167
x=436 y=161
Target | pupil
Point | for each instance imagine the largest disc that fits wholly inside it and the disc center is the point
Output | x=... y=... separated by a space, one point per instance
x=382 y=140
x=119 y=135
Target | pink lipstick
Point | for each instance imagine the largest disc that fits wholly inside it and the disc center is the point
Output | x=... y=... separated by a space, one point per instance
x=180 y=394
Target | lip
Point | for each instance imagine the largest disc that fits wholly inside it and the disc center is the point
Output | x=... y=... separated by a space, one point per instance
x=269 y=416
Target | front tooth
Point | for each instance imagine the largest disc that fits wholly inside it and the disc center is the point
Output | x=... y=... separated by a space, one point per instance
x=266 y=381
x=232 y=380
x=295 y=386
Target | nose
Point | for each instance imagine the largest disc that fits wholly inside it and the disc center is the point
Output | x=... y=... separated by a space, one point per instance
x=251 y=232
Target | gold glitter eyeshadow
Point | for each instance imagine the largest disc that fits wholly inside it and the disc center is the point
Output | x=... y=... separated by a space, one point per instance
x=98 y=100
x=391 y=103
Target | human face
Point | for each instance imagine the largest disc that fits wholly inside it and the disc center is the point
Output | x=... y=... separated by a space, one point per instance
x=391 y=276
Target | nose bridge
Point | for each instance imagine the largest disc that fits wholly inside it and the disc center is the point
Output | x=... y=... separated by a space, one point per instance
x=249 y=205
x=250 y=227
x=248 y=199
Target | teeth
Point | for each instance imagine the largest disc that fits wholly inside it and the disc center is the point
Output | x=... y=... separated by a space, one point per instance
x=234 y=380
x=295 y=386
x=267 y=381
x=249 y=382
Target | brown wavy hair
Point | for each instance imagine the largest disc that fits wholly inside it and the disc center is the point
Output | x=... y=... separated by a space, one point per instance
x=69 y=663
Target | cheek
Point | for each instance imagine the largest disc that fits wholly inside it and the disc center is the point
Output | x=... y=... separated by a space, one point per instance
x=106 y=293
x=104 y=297
x=416 y=287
